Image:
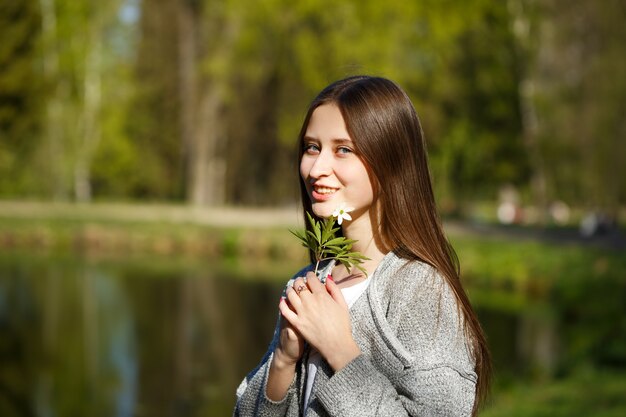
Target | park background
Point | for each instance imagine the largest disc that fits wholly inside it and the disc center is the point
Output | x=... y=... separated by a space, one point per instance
x=148 y=182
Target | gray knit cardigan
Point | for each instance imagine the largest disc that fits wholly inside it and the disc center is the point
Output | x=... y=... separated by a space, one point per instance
x=415 y=359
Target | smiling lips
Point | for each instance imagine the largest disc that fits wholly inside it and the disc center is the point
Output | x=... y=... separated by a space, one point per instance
x=322 y=193
x=324 y=190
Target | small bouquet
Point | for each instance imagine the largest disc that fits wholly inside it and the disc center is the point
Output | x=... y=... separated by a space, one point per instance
x=323 y=243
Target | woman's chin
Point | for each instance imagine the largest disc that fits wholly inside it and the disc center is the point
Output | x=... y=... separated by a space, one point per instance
x=322 y=210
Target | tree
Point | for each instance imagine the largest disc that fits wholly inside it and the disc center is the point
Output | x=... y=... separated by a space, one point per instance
x=207 y=32
x=581 y=95
x=466 y=92
x=74 y=56
x=155 y=125
x=205 y=106
x=21 y=95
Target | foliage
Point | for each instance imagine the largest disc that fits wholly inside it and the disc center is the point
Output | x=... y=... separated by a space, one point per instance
x=97 y=103
x=581 y=91
x=325 y=245
x=21 y=96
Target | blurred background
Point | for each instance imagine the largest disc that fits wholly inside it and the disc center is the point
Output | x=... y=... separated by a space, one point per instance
x=148 y=181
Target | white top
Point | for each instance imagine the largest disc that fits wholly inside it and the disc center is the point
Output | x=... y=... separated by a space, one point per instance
x=351 y=294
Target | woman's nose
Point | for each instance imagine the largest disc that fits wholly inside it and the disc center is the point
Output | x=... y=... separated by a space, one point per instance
x=322 y=165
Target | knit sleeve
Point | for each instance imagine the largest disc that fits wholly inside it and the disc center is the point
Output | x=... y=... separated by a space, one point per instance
x=420 y=364
x=251 y=394
x=360 y=389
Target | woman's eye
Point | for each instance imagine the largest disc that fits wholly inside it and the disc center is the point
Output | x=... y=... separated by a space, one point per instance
x=311 y=148
x=344 y=150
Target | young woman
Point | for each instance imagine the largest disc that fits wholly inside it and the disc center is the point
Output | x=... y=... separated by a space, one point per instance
x=401 y=340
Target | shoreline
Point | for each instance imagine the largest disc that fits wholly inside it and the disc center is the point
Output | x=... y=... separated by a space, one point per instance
x=172 y=229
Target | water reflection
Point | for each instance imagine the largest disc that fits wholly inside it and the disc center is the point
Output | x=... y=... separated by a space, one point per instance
x=523 y=344
x=115 y=339
x=162 y=337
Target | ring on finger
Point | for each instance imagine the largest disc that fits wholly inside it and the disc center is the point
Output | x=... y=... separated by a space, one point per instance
x=300 y=288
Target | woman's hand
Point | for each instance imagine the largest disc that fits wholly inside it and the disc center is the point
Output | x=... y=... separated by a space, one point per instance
x=320 y=314
x=291 y=344
x=286 y=355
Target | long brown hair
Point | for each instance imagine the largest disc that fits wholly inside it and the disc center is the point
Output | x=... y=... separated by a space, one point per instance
x=387 y=136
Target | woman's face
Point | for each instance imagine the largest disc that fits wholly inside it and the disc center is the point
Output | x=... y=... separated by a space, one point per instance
x=332 y=172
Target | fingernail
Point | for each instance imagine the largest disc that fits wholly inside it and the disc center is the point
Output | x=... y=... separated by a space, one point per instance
x=330 y=277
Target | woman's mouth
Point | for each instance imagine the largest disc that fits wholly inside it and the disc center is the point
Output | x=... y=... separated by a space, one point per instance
x=320 y=193
x=324 y=190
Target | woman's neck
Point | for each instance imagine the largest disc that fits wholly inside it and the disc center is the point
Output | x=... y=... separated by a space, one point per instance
x=360 y=230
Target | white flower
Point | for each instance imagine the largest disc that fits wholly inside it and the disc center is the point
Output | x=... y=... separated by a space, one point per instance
x=341 y=213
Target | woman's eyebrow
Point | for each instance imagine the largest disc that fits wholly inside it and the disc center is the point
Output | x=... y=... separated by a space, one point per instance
x=340 y=141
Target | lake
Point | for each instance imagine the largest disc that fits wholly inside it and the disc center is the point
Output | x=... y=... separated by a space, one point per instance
x=87 y=336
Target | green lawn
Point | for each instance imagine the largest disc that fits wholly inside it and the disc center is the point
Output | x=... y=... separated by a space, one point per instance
x=590 y=393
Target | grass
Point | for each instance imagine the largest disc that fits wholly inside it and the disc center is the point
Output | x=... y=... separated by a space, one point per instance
x=124 y=238
x=533 y=270
x=590 y=393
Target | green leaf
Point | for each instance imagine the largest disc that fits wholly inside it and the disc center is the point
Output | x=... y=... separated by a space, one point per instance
x=336 y=241
x=320 y=239
x=327 y=229
x=312 y=237
x=299 y=235
x=312 y=221
x=318 y=235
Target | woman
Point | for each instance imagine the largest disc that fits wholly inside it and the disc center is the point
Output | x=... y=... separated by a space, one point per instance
x=403 y=339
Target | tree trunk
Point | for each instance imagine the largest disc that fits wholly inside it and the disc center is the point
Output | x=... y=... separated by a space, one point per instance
x=187 y=87
x=202 y=96
x=206 y=168
x=53 y=127
x=530 y=131
x=522 y=27
x=91 y=103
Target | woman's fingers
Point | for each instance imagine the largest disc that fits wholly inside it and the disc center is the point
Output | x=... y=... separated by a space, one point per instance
x=291 y=343
x=293 y=300
x=308 y=301
x=301 y=287
x=313 y=282
x=297 y=293
x=335 y=292
x=287 y=312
